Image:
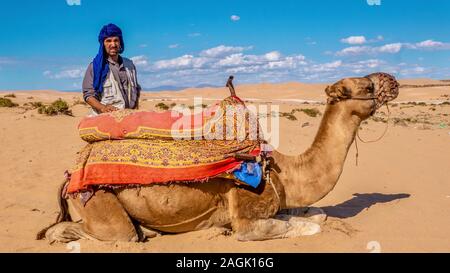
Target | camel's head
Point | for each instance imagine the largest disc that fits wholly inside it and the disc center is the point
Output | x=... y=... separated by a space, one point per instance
x=364 y=95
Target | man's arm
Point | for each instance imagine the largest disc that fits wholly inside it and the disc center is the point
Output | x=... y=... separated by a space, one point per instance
x=94 y=103
x=89 y=95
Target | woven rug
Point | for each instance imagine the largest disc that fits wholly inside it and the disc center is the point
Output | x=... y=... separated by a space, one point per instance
x=139 y=148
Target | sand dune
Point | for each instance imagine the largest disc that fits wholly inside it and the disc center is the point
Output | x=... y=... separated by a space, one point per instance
x=398 y=195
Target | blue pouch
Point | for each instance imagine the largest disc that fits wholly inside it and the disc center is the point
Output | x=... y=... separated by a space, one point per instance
x=249 y=173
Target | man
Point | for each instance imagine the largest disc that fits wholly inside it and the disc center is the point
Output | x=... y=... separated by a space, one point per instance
x=110 y=82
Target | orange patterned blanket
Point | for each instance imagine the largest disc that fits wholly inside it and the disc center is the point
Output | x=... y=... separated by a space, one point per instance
x=139 y=148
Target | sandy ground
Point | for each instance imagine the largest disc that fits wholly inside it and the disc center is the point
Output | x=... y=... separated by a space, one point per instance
x=396 y=200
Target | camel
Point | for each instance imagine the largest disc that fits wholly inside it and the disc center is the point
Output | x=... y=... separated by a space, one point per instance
x=278 y=208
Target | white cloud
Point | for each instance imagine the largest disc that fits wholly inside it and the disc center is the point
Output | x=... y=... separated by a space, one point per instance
x=389 y=48
x=272 y=56
x=393 y=48
x=140 y=60
x=183 y=62
x=325 y=67
x=372 y=63
x=73 y=2
x=65 y=74
x=354 y=50
x=432 y=45
x=221 y=51
x=354 y=40
x=414 y=71
x=143 y=45
x=235 y=18
x=173 y=46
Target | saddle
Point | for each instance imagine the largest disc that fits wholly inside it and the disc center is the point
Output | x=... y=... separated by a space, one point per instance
x=134 y=148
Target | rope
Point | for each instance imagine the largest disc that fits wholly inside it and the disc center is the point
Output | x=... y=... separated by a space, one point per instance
x=371 y=141
x=275 y=189
x=266 y=171
x=385 y=129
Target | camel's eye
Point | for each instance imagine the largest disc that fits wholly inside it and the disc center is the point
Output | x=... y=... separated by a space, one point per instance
x=371 y=87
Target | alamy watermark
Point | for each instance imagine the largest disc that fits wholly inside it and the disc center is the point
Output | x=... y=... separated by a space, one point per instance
x=232 y=122
x=374 y=247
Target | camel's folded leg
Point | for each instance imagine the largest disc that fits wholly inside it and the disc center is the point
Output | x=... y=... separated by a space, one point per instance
x=103 y=219
x=65 y=232
x=265 y=229
x=312 y=214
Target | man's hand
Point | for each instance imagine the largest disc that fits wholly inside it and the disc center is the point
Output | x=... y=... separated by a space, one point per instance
x=108 y=109
x=101 y=108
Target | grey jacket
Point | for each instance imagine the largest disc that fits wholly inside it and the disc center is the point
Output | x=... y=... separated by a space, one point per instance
x=120 y=74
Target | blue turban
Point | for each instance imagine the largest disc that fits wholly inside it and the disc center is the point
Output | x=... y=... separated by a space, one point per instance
x=100 y=64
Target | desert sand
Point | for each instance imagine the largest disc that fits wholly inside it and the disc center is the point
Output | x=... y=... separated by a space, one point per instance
x=396 y=200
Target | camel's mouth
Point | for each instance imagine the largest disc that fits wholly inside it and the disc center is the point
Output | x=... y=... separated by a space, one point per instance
x=386 y=88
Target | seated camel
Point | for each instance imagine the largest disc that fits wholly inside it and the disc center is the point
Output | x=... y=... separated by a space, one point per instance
x=130 y=214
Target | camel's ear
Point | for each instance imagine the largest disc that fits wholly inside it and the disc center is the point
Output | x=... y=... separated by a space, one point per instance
x=337 y=91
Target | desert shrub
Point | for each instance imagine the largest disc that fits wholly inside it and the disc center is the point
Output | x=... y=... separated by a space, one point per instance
x=192 y=107
x=57 y=107
x=289 y=116
x=10 y=96
x=4 y=102
x=36 y=104
x=162 y=106
x=312 y=112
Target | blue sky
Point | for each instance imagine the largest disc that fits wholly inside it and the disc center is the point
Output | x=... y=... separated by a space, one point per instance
x=48 y=44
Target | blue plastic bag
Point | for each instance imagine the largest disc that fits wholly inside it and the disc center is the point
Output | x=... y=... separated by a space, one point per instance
x=250 y=173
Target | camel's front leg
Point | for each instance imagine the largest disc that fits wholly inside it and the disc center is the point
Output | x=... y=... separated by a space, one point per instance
x=311 y=214
x=252 y=211
x=265 y=229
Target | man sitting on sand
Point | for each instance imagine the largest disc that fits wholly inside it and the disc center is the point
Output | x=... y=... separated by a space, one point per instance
x=110 y=82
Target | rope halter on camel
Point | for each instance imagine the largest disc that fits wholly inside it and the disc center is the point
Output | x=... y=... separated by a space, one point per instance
x=385 y=87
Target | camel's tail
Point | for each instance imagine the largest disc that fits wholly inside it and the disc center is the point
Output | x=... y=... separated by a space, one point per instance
x=63 y=211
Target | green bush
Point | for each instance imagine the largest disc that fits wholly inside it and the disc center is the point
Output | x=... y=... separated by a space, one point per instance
x=162 y=106
x=312 y=112
x=57 y=107
x=4 y=102
x=34 y=104
x=289 y=116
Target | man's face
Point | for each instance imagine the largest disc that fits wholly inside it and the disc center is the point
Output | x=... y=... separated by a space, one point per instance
x=112 y=46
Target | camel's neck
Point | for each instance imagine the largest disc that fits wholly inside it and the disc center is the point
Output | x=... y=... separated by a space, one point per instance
x=309 y=177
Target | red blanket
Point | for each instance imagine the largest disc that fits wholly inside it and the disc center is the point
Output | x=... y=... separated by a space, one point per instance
x=138 y=148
